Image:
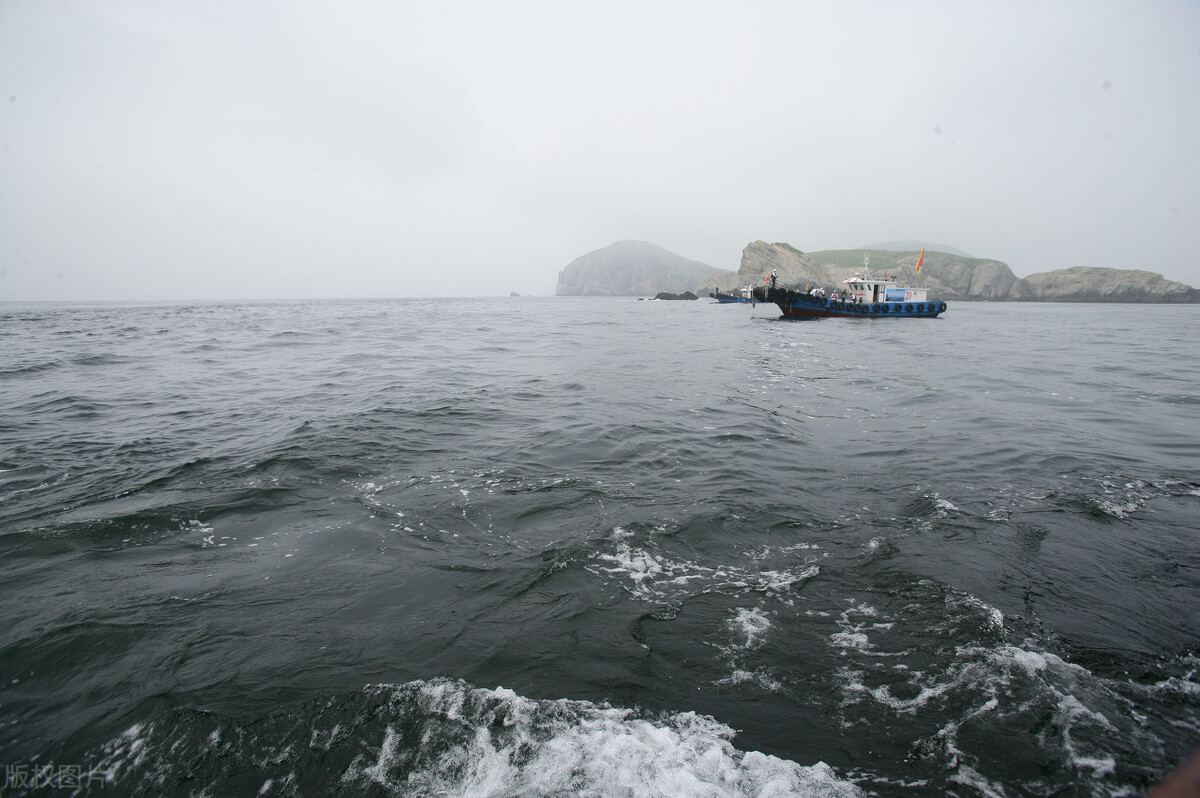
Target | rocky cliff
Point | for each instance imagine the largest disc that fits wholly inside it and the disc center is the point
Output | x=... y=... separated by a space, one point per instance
x=634 y=268
x=793 y=267
x=1083 y=284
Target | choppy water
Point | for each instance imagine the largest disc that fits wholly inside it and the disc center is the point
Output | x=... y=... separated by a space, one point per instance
x=597 y=546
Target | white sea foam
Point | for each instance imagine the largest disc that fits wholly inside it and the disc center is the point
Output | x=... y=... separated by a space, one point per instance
x=883 y=695
x=1184 y=688
x=752 y=624
x=1117 y=509
x=129 y=751
x=389 y=757
x=1001 y=682
x=1123 y=498
x=1032 y=661
x=204 y=531
x=1072 y=713
x=848 y=639
x=970 y=777
x=764 y=552
x=1078 y=714
x=748 y=628
x=761 y=677
x=853 y=634
x=957 y=602
x=943 y=504
x=514 y=746
x=653 y=576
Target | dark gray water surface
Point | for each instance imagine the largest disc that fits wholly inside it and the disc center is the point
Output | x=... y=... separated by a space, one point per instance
x=597 y=546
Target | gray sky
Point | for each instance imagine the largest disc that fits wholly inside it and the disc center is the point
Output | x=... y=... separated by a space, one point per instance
x=223 y=150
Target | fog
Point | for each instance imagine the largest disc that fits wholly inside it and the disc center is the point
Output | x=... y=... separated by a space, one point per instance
x=228 y=150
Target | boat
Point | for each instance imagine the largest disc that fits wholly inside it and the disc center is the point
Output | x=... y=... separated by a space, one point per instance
x=865 y=296
x=741 y=297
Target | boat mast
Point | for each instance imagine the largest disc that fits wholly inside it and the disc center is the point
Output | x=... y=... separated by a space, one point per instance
x=867 y=277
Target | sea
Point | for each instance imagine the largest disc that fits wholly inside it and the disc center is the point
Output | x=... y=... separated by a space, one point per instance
x=560 y=546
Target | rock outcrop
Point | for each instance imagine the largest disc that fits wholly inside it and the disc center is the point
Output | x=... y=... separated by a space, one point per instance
x=1089 y=284
x=950 y=277
x=633 y=268
x=792 y=267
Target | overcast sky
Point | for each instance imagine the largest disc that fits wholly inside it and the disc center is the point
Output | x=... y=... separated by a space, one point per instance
x=230 y=150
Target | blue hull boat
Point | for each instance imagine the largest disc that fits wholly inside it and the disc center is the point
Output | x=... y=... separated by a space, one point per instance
x=864 y=296
x=799 y=305
x=742 y=298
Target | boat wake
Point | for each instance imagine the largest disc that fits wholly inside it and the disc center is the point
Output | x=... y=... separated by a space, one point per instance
x=446 y=737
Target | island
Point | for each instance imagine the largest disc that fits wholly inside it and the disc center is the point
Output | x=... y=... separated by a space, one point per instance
x=640 y=268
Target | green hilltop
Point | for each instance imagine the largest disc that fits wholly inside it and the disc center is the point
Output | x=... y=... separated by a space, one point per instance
x=891 y=260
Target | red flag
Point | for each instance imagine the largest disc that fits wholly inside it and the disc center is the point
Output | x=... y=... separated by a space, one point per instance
x=921 y=260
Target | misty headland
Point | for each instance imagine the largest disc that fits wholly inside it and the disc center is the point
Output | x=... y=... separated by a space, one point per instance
x=640 y=268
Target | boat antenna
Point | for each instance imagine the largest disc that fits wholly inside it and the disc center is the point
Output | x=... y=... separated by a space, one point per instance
x=867 y=265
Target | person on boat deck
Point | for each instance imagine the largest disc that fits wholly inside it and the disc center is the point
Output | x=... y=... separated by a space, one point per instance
x=774 y=278
x=834 y=296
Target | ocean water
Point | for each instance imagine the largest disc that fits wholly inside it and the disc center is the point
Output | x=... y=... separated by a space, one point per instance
x=576 y=546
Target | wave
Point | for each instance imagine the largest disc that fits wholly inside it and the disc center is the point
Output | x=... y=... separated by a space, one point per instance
x=22 y=370
x=635 y=559
x=447 y=737
x=1064 y=721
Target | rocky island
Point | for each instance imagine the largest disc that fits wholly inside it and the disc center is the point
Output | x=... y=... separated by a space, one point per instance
x=639 y=268
x=635 y=268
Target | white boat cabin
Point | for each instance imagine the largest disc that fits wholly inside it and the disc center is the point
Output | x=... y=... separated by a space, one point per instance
x=865 y=288
x=868 y=289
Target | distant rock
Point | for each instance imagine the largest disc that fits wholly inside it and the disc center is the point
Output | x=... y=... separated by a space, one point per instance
x=666 y=295
x=633 y=268
x=513 y=293
x=1091 y=284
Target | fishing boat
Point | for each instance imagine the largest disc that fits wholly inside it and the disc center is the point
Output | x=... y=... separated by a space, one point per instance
x=742 y=297
x=864 y=296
